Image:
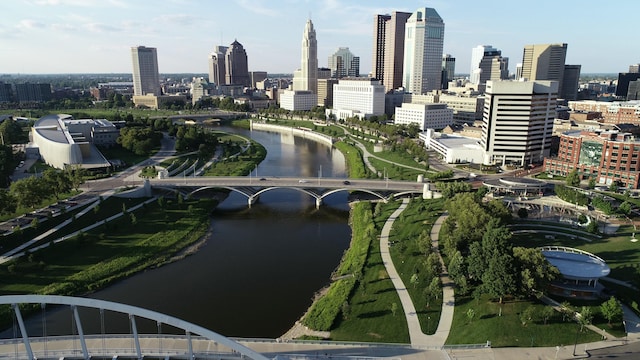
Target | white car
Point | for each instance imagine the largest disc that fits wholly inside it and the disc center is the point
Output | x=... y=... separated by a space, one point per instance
x=302 y=181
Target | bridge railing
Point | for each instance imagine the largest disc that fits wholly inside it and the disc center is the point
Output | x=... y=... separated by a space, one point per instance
x=59 y=347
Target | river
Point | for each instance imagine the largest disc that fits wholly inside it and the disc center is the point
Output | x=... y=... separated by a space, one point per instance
x=260 y=267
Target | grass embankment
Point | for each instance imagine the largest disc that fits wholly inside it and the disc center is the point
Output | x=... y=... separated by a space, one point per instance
x=331 y=130
x=128 y=157
x=137 y=241
x=324 y=312
x=356 y=168
x=17 y=238
x=368 y=315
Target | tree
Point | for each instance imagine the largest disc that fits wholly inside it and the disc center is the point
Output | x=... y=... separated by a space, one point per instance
x=547 y=313
x=527 y=315
x=432 y=291
x=7 y=202
x=415 y=280
x=592 y=183
x=611 y=310
x=533 y=270
x=499 y=278
x=585 y=318
x=573 y=179
x=471 y=314
x=567 y=311
x=394 y=308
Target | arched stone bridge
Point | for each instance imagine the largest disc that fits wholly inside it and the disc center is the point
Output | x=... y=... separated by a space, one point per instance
x=318 y=188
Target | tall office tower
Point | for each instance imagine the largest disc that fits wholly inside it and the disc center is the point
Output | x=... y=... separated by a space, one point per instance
x=388 y=48
x=343 y=63
x=487 y=63
x=217 y=69
x=544 y=62
x=518 y=121
x=570 y=82
x=623 y=82
x=306 y=78
x=635 y=68
x=423 y=42
x=448 y=69
x=237 y=69
x=146 y=79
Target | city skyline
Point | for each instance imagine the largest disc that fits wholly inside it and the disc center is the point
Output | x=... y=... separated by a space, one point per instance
x=90 y=36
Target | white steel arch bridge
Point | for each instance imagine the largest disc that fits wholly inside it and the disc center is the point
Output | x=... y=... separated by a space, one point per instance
x=198 y=341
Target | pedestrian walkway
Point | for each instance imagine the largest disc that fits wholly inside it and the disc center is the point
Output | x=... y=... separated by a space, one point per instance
x=417 y=337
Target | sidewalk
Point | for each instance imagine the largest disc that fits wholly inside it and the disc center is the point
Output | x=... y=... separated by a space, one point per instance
x=417 y=337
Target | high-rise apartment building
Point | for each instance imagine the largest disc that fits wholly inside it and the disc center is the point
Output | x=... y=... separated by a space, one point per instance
x=487 y=63
x=448 y=69
x=237 y=68
x=146 y=79
x=518 y=121
x=544 y=62
x=343 y=63
x=306 y=78
x=217 y=68
x=388 y=48
x=570 y=82
x=423 y=42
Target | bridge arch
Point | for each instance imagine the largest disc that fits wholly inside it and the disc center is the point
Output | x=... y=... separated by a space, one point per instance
x=239 y=190
x=376 y=194
x=131 y=311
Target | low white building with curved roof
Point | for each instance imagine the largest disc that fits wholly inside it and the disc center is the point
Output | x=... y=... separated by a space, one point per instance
x=580 y=271
x=63 y=141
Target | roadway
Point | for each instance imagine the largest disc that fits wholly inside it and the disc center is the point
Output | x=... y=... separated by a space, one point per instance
x=298 y=182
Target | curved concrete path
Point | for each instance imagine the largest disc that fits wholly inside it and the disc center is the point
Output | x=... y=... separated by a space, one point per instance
x=417 y=337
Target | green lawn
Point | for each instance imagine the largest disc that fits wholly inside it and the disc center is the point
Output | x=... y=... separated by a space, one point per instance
x=501 y=325
x=396 y=172
x=408 y=259
x=130 y=158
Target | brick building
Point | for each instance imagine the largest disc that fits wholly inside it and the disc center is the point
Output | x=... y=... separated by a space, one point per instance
x=607 y=156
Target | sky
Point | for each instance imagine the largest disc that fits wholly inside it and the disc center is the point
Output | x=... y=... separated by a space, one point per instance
x=95 y=36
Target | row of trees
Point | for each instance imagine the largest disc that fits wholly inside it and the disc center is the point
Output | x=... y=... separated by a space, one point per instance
x=139 y=140
x=481 y=257
x=32 y=191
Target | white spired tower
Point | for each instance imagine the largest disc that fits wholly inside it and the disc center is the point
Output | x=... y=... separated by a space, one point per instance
x=306 y=78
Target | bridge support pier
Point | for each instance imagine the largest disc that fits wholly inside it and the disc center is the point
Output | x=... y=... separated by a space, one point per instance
x=318 y=202
x=23 y=331
x=252 y=200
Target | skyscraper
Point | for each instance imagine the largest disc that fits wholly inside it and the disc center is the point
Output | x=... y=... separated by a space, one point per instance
x=487 y=63
x=544 y=62
x=217 y=68
x=343 y=63
x=570 y=82
x=304 y=95
x=306 y=78
x=518 y=121
x=146 y=79
x=423 y=42
x=237 y=69
x=448 y=69
x=388 y=48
